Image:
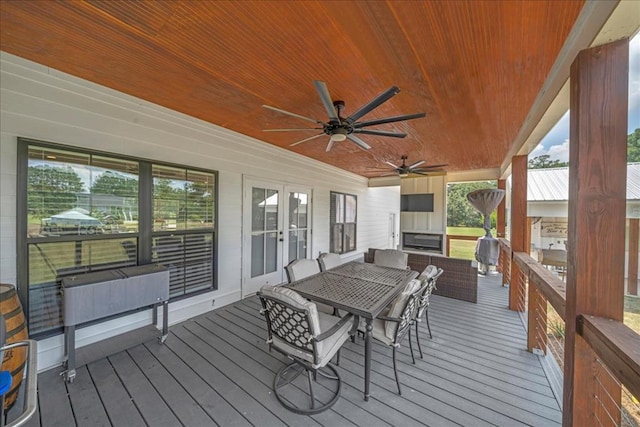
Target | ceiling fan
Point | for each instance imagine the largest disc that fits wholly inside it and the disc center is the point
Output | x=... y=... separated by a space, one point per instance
x=416 y=168
x=340 y=128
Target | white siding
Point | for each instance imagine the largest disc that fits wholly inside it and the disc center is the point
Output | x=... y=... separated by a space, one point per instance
x=41 y=103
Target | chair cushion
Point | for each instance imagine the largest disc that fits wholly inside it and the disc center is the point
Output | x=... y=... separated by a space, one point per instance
x=430 y=271
x=330 y=346
x=390 y=258
x=328 y=261
x=324 y=308
x=377 y=331
x=396 y=307
x=301 y=268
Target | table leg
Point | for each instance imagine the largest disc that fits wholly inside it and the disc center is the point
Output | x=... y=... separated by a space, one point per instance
x=367 y=358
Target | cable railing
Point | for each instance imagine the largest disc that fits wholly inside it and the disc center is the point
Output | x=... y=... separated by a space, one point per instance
x=555 y=335
x=616 y=369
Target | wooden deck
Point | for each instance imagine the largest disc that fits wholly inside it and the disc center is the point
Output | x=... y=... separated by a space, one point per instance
x=216 y=370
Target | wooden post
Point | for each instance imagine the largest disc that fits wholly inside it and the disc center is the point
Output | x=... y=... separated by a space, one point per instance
x=501 y=220
x=597 y=211
x=634 y=240
x=518 y=227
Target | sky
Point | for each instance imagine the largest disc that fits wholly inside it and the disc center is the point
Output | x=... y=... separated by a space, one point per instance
x=556 y=142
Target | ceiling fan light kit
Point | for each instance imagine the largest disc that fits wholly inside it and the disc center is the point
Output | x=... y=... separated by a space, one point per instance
x=339 y=128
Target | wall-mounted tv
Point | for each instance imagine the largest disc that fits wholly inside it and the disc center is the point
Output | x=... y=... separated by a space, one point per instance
x=416 y=202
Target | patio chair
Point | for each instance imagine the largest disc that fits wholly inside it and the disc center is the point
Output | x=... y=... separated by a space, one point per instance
x=390 y=258
x=391 y=326
x=299 y=269
x=430 y=277
x=309 y=338
x=328 y=261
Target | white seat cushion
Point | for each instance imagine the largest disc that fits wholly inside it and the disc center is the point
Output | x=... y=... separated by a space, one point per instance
x=301 y=268
x=332 y=344
x=396 y=307
x=324 y=308
x=378 y=330
x=390 y=258
x=329 y=261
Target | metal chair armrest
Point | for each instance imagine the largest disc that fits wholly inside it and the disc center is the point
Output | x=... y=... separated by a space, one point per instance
x=326 y=334
x=390 y=319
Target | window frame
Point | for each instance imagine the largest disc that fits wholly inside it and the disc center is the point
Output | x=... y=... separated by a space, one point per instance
x=144 y=235
x=343 y=222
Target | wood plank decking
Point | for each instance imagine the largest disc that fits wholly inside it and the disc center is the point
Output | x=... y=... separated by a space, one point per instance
x=216 y=370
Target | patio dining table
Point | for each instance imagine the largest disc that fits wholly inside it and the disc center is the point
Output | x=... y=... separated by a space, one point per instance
x=358 y=288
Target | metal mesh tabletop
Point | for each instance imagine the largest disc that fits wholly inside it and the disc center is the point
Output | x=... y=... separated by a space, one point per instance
x=355 y=287
x=348 y=291
x=374 y=273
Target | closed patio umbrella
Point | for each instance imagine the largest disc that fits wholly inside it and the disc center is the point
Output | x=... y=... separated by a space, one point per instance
x=485 y=201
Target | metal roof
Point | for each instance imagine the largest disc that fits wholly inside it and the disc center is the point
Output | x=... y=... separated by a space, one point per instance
x=552 y=184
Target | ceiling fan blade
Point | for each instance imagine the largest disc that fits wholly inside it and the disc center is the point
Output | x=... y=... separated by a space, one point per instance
x=358 y=141
x=289 y=130
x=321 y=87
x=392 y=165
x=306 y=139
x=330 y=145
x=429 y=173
x=432 y=166
x=390 y=174
x=380 y=133
x=374 y=103
x=293 y=114
x=389 y=120
x=418 y=163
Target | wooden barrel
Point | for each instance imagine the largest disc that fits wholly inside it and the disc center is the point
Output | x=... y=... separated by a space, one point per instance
x=13 y=360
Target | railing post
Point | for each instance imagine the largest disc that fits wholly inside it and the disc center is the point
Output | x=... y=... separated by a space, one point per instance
x=501 y=220
x=518 y=227
x=597 y=213
x=504 y=263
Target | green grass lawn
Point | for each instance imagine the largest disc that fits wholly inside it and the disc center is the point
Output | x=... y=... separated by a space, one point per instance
x=469 y=231
x=463 y=248
x=632 y=312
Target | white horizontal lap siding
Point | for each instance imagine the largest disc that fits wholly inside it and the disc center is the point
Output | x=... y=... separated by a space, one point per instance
x=40 y=103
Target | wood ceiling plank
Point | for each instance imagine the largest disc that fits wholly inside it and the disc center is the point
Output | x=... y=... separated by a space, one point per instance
x=474 y=67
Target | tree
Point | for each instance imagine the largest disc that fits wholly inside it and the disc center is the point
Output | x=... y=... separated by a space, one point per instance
x=115 y=183
x=51 y=189
x=460 y=213
x=544 y=162
x=168 y=199
x=633 y=146
x=199 y=200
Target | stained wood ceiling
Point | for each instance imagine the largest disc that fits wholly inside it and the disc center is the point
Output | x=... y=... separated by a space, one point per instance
x=475 y=67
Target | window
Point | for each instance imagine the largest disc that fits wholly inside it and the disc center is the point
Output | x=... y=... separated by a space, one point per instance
x=342 y=223
x=84 y=211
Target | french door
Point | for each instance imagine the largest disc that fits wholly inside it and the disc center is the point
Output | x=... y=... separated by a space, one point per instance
x=276 y=230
